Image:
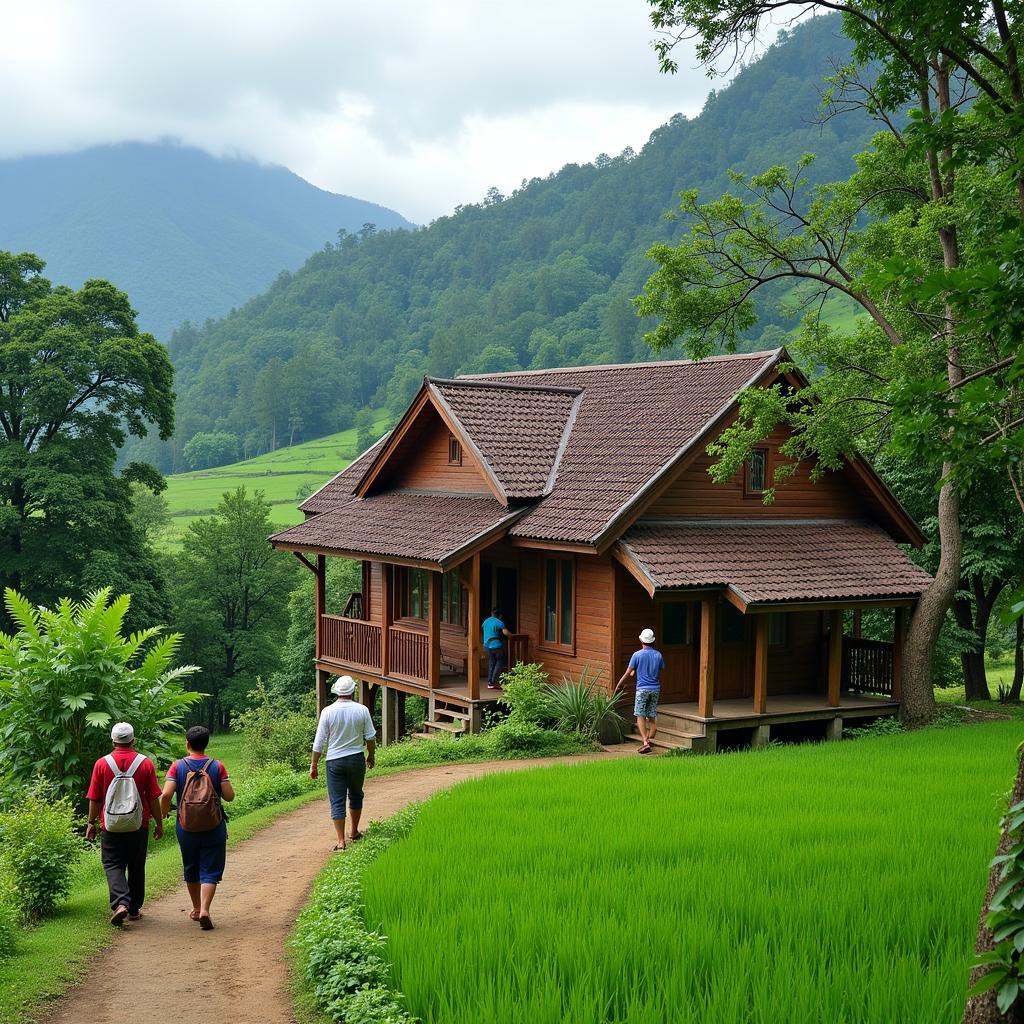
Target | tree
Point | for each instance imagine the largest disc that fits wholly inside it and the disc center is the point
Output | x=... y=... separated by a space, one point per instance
x=68 y=673
x=210 y=448
x=229 y=590
x=76 y=377
x=366 y=433
x=933 y=367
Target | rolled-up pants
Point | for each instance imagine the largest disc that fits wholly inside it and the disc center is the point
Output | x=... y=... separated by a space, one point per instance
x=124 y=860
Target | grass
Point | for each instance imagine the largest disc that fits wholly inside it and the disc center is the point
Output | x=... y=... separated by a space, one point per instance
x=53 y=955
x=836 y=882
x=281 y=475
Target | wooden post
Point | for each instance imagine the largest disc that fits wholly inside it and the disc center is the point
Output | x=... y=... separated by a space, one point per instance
x=319 y=603
x=761 y=665
x=385 y=618
x=434 y=632
x=899 y=639
x=708 y=634
x=400 y=712
x=856 y=622
x=835 y=656
x=473 y=629
x=322 y=696
x=388 y=716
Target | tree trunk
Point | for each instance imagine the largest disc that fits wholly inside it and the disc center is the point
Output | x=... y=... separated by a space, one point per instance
x=918 y=704
x=975 y=616
x=982 y=1009
x=1018 y=661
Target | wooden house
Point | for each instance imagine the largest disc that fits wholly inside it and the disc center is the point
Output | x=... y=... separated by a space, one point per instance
x=578 y=501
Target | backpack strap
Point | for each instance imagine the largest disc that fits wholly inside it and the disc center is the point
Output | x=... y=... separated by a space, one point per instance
x=134 y=766
x=113 y=765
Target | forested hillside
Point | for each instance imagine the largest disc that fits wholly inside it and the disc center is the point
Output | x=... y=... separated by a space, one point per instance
x=185 y=234
x=543 y=277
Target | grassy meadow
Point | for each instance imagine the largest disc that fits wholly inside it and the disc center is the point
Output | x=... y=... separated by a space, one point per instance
x=836 y=882
x=282 y=476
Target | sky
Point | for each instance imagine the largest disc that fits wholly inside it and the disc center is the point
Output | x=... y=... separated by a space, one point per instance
x=418 y=106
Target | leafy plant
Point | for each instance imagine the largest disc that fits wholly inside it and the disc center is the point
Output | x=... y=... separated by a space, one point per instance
x=276 y=733
x=69 y=673
x=524 y=693
x=39 y=848
x=887 y=726
x=268 y=784
x=578 y=706
x=1004 y=694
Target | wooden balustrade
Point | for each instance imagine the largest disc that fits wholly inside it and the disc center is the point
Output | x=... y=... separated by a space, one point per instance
x=354 y=606
x=409 y=653
x=867 y=665
x=350 y=641
x=518 y=649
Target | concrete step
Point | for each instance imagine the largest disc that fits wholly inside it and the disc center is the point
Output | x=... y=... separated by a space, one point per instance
x=664 y=741
x=679 y=723
x=675 y=729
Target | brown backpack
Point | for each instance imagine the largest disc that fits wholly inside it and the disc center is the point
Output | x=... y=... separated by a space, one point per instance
x=199 y=807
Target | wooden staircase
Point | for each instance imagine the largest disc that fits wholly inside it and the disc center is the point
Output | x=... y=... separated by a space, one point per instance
x=675 y=732
x=449 y=719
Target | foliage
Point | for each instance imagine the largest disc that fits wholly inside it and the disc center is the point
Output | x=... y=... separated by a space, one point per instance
x=341 y=962
x=78 y=378
x=887 y=726
x=580 y=707
x=838 y=824
x=227 y=589
x=69 y=673
x=210 y=448
x=277 y=734
x=523 y=688
x=271 y=782
x=545 y=275
x=39 y=848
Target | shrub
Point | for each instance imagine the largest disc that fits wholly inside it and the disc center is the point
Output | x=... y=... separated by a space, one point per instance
x=521 y=739
x=887 y=726
x=69 y=673
x=524 y=693
x=267 y=784
x=39 y=848
x=8 y=915
x=580 y=707
x=275 y=733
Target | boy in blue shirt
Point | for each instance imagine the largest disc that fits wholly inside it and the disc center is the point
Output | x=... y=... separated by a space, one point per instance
x=494 y=629
x=646 y=666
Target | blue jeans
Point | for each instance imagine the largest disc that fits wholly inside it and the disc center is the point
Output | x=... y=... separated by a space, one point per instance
x=345 y=779
x=495 y=664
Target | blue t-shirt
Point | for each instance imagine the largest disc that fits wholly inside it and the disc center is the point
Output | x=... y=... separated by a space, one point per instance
x=492 y=632
x=648 y=665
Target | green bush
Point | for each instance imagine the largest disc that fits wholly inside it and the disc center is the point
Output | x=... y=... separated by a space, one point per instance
x=524 y=688
x=276 y=733
x=580 y=707
x=8 y=915
x=267 y=784
x=39 y=848
x=520 y=739
x=68 y=674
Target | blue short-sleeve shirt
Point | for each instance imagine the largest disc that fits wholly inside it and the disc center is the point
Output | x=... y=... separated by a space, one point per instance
x=648 y=665
x=492 y=627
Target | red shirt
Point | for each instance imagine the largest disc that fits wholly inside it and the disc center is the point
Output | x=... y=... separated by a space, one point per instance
x=145 y=780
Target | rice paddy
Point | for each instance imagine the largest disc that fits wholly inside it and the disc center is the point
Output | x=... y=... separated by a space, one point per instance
x=835 y=882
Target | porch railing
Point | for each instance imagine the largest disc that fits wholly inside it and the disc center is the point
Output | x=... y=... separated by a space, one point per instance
x=350 y=640
x=409 y=653
x=518 y=649
x=867 y=665
x=354 y=606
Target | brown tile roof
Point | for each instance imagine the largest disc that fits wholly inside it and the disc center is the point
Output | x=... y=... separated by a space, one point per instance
x=402 y=525
x=786 y=560
x=339 y=489
x=518 y=431
x=633 y=420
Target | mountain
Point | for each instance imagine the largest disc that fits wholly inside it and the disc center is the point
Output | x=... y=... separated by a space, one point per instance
x=187 y=235
x=541 y=278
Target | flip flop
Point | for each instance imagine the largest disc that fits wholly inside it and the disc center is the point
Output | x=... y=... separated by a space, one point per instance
x=358 y=835
x=135 y=917
x=206 y=924
x=118 y=916
x=645 y=749
x=193 y=915
x=337 y=848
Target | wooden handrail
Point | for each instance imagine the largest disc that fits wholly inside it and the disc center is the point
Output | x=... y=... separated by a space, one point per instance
x=867 y=665
x=350 y=640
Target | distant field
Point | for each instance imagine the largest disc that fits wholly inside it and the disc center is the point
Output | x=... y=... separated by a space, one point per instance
x=281 y=475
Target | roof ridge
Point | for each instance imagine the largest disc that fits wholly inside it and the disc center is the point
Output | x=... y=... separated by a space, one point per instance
x=471 y=382
x=763 y=355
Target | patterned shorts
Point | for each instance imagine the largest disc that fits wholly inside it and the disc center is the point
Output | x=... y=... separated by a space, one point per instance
x=646 y=705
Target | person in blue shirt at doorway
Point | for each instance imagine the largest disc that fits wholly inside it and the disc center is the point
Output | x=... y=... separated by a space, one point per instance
x=646 y=666
x=494 y=633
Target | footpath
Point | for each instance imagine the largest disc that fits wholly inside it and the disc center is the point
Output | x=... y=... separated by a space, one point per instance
x=238 y=972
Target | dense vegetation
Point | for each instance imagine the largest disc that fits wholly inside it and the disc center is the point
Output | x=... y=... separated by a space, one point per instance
x=187 y=235
x=641 y=891
x=544 y=277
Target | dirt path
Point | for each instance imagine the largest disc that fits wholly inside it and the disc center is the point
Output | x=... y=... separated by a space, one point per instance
x=237 y=973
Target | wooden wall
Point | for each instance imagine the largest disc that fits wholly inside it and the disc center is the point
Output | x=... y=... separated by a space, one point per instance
x=421 y=461
x=695 y=494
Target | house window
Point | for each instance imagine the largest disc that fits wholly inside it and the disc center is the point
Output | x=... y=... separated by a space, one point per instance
x=451 y=599
x=454 y=451
x=778 y=629
x=675 y=623
x=416 y=594
x=757 y=471
x=559 y=587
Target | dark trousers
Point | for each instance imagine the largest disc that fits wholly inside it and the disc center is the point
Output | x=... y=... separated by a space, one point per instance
x=495 y=664
x=124 y=861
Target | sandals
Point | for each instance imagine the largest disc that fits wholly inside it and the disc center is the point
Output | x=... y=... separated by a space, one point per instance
x=356 y=836
x=193 y=915
x=118 y=916
x=645 y=749
x=337 y=849
x=205 y=923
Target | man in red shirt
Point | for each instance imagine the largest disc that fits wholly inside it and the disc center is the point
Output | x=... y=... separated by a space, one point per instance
x=124 y=853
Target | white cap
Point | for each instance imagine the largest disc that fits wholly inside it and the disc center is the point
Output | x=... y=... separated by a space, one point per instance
x=344 y=686
x=122 y=732
x=647 y=636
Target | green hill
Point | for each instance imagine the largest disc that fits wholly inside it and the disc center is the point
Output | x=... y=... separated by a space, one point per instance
x=285 y=477
x=541 y=278
x=185 y=234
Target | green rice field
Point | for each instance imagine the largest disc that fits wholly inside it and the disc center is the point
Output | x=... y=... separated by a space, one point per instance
x=281 y=475
x=834 y=882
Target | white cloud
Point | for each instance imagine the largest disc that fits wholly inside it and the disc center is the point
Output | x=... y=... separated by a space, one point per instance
x=417 y=106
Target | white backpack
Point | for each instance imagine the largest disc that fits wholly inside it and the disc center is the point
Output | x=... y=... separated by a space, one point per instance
x=122 y=808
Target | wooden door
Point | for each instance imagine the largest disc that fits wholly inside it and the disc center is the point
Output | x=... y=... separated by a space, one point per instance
x=499 y=588
x=734 y=664
x=678 y=627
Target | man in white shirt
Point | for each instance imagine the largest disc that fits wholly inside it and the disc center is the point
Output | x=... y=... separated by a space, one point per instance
x=340 y=734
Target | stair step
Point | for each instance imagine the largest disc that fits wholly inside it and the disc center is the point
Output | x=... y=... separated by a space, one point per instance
x=451 y=727
x=676 y=731
x=462 y=716
x=662 y=742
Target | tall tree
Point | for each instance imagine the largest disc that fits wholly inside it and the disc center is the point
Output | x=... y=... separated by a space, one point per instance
x=935 y=367
x=76 y=377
